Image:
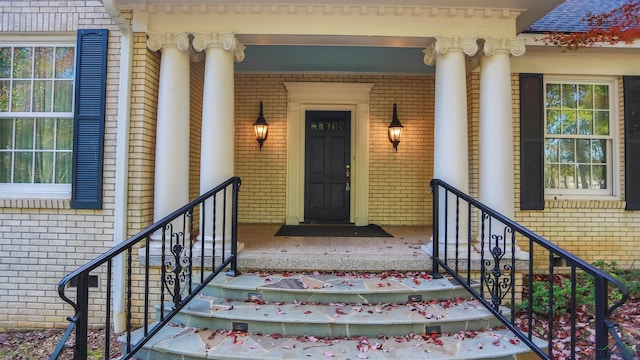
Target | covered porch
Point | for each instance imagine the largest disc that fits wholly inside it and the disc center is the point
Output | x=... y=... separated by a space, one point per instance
x=266 y=252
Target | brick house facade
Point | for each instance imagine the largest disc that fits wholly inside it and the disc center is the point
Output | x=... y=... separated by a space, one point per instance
x=44 y=238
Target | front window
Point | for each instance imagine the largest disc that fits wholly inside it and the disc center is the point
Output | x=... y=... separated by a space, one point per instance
x=36 y=119
x=579 y=137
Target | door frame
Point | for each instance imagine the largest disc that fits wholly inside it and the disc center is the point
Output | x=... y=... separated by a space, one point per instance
x=353 y=97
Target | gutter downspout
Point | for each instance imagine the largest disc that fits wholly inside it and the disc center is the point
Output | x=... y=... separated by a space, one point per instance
x=122 y=162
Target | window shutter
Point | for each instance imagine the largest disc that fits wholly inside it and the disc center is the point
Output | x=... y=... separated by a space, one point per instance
x=89 y=113
x=531 y=142
x=632 y=141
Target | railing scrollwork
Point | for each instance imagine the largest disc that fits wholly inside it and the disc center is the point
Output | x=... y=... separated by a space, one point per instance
x=169 y=276
x=490 y=276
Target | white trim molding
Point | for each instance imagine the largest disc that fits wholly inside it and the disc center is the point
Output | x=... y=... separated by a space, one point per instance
x=303 y=96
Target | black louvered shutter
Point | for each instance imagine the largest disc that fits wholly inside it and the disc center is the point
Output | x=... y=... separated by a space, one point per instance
x=632 y=141
x=531 y=142
x=88 y=124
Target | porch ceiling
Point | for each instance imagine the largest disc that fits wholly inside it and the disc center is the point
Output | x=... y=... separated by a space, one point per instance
x=333 y=59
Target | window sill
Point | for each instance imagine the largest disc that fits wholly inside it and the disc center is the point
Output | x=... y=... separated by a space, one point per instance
x=608 y=202
x=35 y=203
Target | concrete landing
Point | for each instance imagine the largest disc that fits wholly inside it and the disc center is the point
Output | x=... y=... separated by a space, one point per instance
x=265 y=251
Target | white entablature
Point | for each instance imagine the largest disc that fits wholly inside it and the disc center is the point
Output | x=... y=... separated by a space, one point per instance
x=409 y=18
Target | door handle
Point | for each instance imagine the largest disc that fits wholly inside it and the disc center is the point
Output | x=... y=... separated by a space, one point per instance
x=347 y=172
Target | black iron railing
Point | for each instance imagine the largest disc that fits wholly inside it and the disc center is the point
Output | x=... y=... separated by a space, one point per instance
x=478 y=246
x=160 y=264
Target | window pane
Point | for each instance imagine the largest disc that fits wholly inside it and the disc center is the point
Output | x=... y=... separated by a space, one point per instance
x=63 y=168
x=45 y=131
x=599 y=177
x=22 y=57
x=599 y=151
x=551 y=176
x=584 y=177
x=64 y=134
x=43 y=173
x=554 y=122
x=553 y=95
x=63 y=96
x=24 y=134
x=551 y=150
x=43 y=63
x=567 y=177
x=567 y=151
x=5 y=62
x=583 y=151
x=42 y=95
x=22 y=167
x=6 y=134
x=585 y=96
x=602 y=123
x=601 y=93
x=4 y=95
x=570 y=121
x=569 y=95
x=577 y=137
x=64 y=62
x=5 y=167
x=585 y=122
x=36 y=80
x=21 y=96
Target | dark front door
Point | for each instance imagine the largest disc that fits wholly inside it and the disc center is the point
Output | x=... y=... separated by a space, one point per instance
x=327 y=166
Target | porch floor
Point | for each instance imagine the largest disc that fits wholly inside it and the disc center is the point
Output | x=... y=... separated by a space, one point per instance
x=264 y=251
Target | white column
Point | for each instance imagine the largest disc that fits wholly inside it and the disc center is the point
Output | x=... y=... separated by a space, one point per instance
x=217 y=144
x=451 y=154
x=496 y=129
x=172 y=130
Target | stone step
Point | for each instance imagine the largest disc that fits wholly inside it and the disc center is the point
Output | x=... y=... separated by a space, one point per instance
x=190 y=343
x=361 y=288
x=336 y=319
x=389 y=315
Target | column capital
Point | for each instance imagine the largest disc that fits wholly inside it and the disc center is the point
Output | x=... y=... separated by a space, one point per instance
x=465 y=44
x=494 y=46
x=226 y=41
x=157 y=41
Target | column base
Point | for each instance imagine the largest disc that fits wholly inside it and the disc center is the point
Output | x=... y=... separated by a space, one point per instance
x=463 y=249
x=476 y=249
x=155 y=253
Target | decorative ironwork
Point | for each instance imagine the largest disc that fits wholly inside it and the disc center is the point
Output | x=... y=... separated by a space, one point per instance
x=177 y=270
x=174 y=280
x=497 y=276
x=497 y=269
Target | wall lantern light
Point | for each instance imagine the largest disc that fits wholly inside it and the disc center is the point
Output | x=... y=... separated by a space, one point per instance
x=261 y=127
x=395 y=129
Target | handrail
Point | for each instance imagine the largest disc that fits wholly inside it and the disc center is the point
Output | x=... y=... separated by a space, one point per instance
x=458 y=219
x=174 y=237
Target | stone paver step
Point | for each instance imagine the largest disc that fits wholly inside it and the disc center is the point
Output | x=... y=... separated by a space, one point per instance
x=337 y=319
x=387 y=315
x=196 y=343
x=365 y=288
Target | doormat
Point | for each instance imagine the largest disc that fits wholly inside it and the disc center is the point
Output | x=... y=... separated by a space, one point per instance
x=332 y=231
